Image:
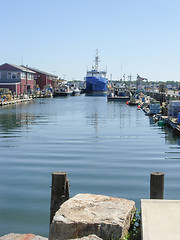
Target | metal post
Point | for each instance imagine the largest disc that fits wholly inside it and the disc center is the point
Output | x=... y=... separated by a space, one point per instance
x=157 y=185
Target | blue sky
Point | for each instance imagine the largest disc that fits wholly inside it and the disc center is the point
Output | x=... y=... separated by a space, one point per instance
x=132 y=36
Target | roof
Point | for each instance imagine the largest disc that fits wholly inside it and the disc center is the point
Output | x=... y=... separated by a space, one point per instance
x=40 y=71
x=22 y=68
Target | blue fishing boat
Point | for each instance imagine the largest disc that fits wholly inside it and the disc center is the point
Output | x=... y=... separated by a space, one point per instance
x=96 y=81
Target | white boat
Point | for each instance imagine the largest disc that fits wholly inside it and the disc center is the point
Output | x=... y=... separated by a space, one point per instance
x=63 y=90
x=75 y=90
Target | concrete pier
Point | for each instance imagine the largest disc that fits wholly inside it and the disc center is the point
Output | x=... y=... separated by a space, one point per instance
x=160 y=219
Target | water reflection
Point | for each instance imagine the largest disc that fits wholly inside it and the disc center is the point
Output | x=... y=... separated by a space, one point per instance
x=151 y=121
x=170 y=136
x=96 y=113
x=16 y=118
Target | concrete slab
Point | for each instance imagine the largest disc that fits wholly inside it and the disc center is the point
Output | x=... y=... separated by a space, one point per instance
x=160 y=219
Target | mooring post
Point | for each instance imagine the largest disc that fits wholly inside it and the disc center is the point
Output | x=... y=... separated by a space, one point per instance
x=59 y=192
x=157 y=185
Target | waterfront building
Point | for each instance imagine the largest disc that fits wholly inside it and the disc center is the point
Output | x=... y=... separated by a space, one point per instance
x=17 y=79
x=44 y=79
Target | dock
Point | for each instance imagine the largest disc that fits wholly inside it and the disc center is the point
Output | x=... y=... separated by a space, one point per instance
x=160 y=219
x=15 y=101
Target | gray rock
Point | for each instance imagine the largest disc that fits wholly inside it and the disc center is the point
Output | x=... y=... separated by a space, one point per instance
x=37 y=237
x=90 y=237
x=85 y=214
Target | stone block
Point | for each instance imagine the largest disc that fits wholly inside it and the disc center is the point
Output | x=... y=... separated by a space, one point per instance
x=86 y=214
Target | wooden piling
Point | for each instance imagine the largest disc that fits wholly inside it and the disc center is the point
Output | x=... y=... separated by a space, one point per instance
x=157 y=185
x=59 y=192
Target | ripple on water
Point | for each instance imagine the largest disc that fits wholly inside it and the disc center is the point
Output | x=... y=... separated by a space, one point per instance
x=106 y=148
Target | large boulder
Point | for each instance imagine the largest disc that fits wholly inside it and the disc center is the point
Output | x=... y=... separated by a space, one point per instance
x=85 y=214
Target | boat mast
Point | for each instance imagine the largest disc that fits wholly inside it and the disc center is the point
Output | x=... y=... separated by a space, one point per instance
x=96 y=60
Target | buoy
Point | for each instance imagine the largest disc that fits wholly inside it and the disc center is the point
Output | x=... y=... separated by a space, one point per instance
x=127 y=102
x=139 y=106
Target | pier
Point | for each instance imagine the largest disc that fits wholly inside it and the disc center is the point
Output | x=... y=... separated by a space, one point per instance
x=16 y=99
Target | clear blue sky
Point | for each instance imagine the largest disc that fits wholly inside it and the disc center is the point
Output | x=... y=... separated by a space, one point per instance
x=135 y=36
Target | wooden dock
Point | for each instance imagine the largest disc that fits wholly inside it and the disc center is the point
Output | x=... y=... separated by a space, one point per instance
x=172 y=122
x=25 y=98
x=15 y=101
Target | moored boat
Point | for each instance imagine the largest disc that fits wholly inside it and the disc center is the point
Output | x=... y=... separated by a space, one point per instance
x=75 y=90
x=117 y=98
x=96 y=81
x=119 y=93
x=133 y=102
x=63 y=90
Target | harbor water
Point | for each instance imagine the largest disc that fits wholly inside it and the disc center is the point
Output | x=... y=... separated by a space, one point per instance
x=106 y=148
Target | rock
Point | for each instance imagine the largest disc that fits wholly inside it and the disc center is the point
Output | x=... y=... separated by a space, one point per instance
x=37 y=237
x=90 y=237
x=85 y=214
x=15 y=236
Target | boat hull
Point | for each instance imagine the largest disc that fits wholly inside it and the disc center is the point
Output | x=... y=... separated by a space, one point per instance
x=96 y=93
x=62 y=94
x=133 y=103
x=96 y=85
x=76 y=93
x=125 y=98
x=65 y=94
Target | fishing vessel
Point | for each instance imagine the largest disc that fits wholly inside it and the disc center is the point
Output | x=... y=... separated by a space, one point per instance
x=75 y=89
x=63 y=90
x=96 y=81
x=118 y=92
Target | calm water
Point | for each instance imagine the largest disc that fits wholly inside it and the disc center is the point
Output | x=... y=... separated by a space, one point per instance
x=105 y=147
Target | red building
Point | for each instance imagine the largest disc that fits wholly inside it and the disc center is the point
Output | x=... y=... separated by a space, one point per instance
x=44 y=79
x=18 y=79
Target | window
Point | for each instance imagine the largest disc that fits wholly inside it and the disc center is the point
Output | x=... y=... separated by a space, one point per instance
x=9 y=75
x=13 y=75
x=29 y=76
x=23 y=75
x=18 y=75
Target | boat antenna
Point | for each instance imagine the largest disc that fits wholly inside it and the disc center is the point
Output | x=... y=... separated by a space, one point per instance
x=96 y=60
